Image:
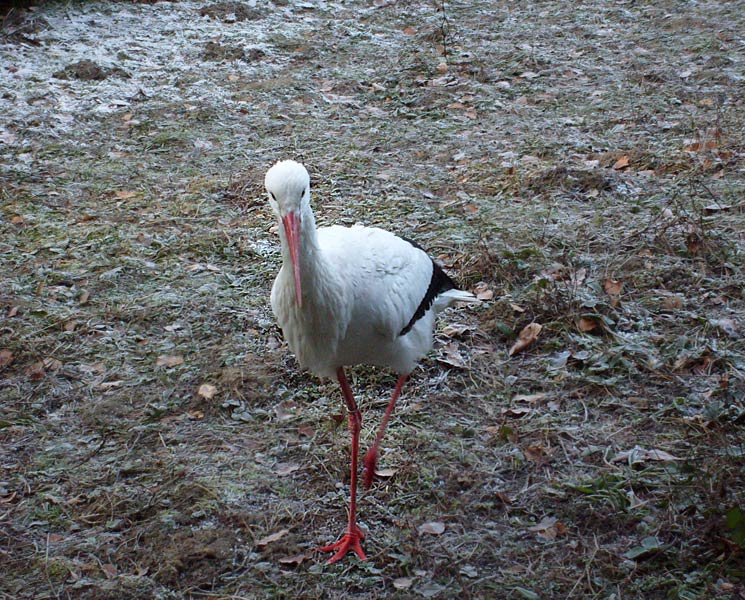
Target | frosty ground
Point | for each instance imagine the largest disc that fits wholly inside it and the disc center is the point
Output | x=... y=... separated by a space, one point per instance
x=579 y=165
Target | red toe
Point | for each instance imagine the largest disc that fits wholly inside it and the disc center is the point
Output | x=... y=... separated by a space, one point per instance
x=351 y=540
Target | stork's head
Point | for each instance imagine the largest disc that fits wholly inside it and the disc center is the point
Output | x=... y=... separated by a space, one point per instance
x=288 y=186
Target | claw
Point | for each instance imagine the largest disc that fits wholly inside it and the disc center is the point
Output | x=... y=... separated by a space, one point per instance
x=349 y=541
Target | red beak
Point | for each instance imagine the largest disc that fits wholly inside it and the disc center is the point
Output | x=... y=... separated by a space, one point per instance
x=291 y=222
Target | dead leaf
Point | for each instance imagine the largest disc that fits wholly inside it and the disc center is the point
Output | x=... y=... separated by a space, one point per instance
x=450 y=355
x=6 y=357
x=693 y=243
x=35 y=371
x=639 y=455
x=70 y=326
x=385 y=473
x=124 y=194
x=13 y=311
x=545 y=523
x=587 y=324
x=613 y=288
x=526 y=337
x=673 y=302
x=621 y=163
x=728 y=326
x=713 y=208
x=168 y=361
x=409 y=30
x=284 y=469
x=84 y=297
x=529 y=398
x=109 y=570
x=455 y=329
x=537 y=454
x=51 y=364
x=196 y=415
x=403 y=583
x=433 y=528
x=107 y=385
x=295 y=559
x=482 y=291
x=516 y=412
x=207 y=391
x=517 y=308
x=306 y=430
x=272 y=537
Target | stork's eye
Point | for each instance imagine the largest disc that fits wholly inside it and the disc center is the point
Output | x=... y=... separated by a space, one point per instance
x=272 y=195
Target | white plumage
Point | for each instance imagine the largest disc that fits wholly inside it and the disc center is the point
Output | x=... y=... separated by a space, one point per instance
x=347 y=296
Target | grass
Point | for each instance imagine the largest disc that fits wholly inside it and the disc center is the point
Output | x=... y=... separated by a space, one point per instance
x=546 y=152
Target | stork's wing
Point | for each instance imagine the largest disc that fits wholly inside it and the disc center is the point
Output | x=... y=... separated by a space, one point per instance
x=393 y=280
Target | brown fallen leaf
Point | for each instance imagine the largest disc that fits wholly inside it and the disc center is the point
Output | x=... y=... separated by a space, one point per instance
x=537 y=454
x=638 y=455
x=549 y=528
x=613 y=288
x=450 y=355
x=673 y=302
x=544 y=524
x=516 y=412
x=284 y=469
x=195 y=415
x=272 y=537
x=455 y=329
x=84 y=297
x=529 y=398
x=432 y=528
x=482 y=291
x=168 y=361
x=109 y=570
x=713 y=208
x=385 y=473
x=526 y=337
x=6 y=357
x=207 y=391
x=124 y=194
x=13 y=311
x=295 y=559
x=587 y=324
x=306 y=430
x=409 y=30
x=35 y=371
x=403 y=583
x=621 y=163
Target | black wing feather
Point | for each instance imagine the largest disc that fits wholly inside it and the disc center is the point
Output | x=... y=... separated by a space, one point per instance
x=439 y=283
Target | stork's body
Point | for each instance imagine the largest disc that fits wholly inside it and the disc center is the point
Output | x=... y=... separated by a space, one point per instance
x=348 y=296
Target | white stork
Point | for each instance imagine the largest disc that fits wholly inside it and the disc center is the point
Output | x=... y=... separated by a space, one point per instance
x=347 y=296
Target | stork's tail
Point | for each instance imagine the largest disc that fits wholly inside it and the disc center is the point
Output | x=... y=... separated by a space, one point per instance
x=451 y=296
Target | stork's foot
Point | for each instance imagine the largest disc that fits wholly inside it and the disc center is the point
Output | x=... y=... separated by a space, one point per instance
x=351 y=540
x=371 y=464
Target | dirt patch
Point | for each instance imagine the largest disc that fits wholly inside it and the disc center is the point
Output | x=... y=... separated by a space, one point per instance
x=87 y=70
x=231 y=12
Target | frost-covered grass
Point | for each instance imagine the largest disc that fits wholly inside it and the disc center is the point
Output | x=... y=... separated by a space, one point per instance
x=582 y=161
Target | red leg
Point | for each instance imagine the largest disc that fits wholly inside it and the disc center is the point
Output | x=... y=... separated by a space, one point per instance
x=371 y=458
x=353 y=536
